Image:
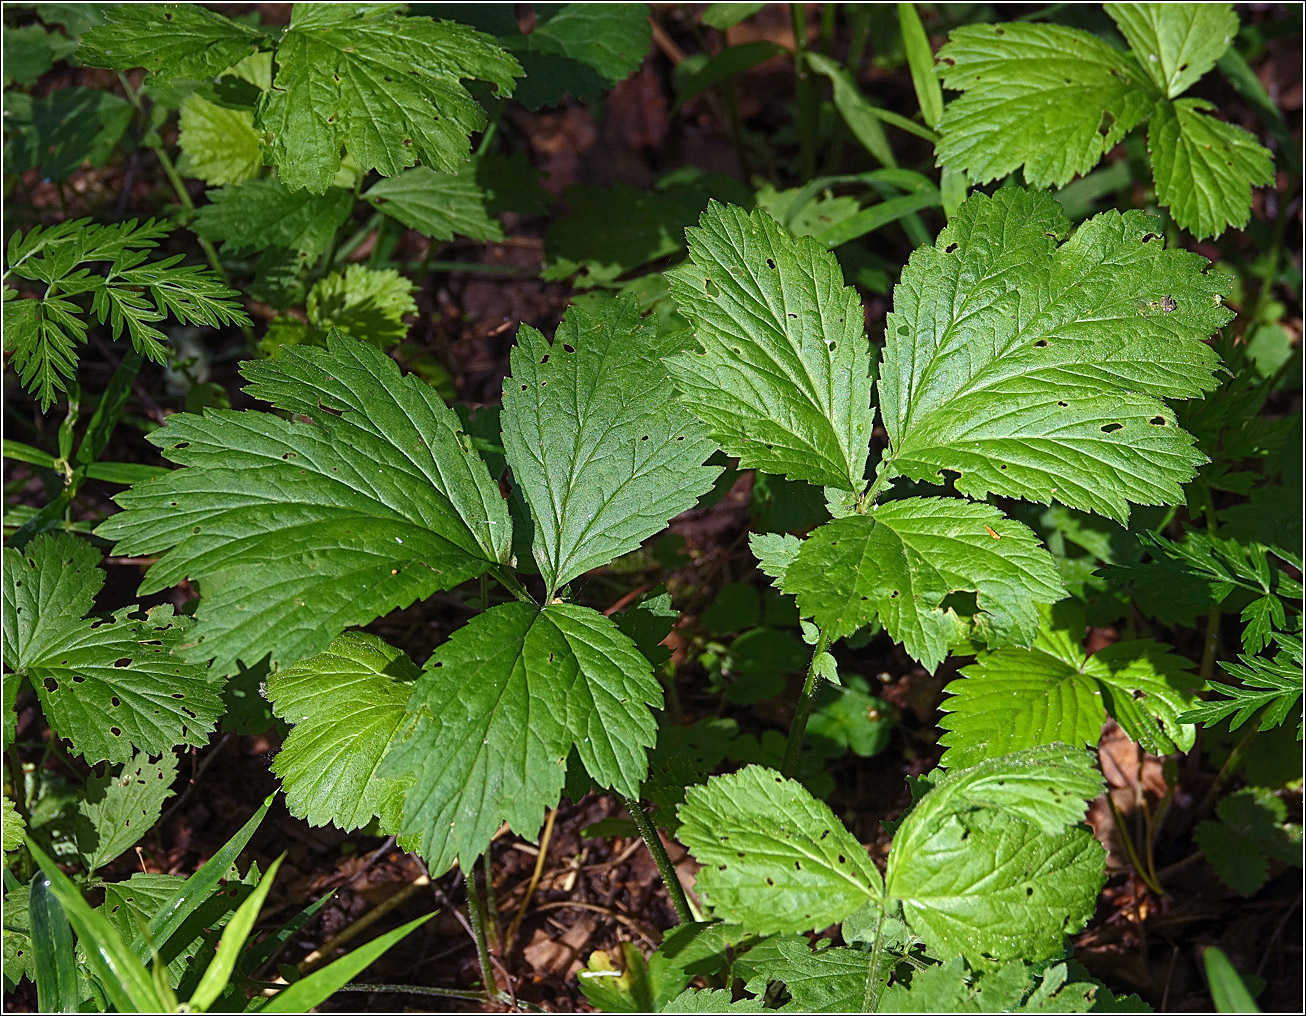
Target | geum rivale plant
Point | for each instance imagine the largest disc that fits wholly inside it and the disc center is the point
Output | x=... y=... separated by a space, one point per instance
x=371 y=496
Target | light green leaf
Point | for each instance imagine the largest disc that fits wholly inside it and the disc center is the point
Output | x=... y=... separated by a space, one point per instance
x=774 y=857
x=1011 y=987
x=498 y=709
x=171 y=41
x=902 y=560
x=12 y=827
x=1205 y=169
x=264 y=214
x=601 y=451
x=985 y=865
x=783 y=381
x=1053 y=691
x=579 y=49
x=1051 y=99
x=775 y=552
x=1175 y=43
x=438 y=205
x=346 y=705
x=299 y=530
x=724 y=15
x=118 y=809
x=712 y=1000
x=1038 y=371
x=383 y=87
x=364 y=303
x=106 y=685
x=1275 y=684
x=218 y=144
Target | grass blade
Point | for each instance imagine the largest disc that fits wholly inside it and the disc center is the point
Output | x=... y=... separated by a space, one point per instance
x=223 y=965
x=52 y=949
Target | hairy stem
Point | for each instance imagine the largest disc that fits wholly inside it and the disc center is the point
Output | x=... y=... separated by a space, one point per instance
x=871 y=998
x=798 y=729
x=654 y=843
x=414 y=989
x=476 y=914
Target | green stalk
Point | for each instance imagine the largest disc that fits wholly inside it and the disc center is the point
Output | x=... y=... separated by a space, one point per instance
x=871 y=998
x=476 y=914
x=804 y=94
x=798 y=729
x=509 y=582
x=654 y=843
x=414 y=989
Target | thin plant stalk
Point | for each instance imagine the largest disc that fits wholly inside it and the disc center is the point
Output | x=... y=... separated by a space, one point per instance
x=798 y=729
x=476 y=914
x=871 y=997
x=679 y=902
x=805 y=108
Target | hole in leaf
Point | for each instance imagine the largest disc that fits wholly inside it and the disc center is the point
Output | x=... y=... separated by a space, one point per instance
x=770 y=263
x=51 y=684
x=124 y=662
x=1111 y=428
x=950 y=248
x=568 y=348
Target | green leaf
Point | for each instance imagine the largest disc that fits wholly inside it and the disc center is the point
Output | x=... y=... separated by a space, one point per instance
x=823 y=980
x=117 y=810
x=775 y=553
x=725 y=15
x=985 y=866
x=265 y=215
x=63 y=129
x=30 y=51
x=438 y=205
x=19 y=961
x=1250 y=831
x=601 y=451
x=641 y=986
x=299 y=530
x=1038 y=371
x=1275 y=685
x=171 y=41
x=12 y=827
x=1053 y=691
x=383 y=87
x=901 y=562
x=920 y=61
x=218 y=144
x=784 y=379
x=347 y=705
x=52 y=946
x=133 y=295
x=105 y=685
x=1205 y=169
x=564 y=673
x=581 y=50
x=1011 y=987
x=711 y=1000
x=1175 y=43
x=1228 y=987
x=1051 y=99
x=223 y=965
x=364 y=303
x=774 y=857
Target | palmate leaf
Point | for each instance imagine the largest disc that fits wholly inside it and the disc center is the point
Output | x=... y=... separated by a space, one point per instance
x=774 y=857
x=1054 y=100
x=299 y=530
x=132 y=295
x=1038 y=371
x=1019 y=698
x=497 y=711
x=347 y=706
x=902 y=560
x=991 y=864
x=784 y=378
x=385 y=88
x=108 y=686
x=602 y=453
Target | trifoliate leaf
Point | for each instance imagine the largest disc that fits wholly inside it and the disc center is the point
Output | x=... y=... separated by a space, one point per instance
x=364 y=303
x=265 y=215
x=299 y=530
x=438 y=205
x=1038 y=371
x=1251 y=830
x=774 y=857
x=784 y=379
x=171 y=41
x=133 y=295
x=602 y=452
x=119 y=808
x=1011 y=987
x=1204 y=168
x=985 y=865
x=60 y=131
x=347 y=706
x=383 y=87
x=1018 y=698
x=1175 y=43
x=901 y=561
x=218 y=144
x=105 y=685
x=581 y=50
x=775 y=552
x=496 y=712
x=1051 y=99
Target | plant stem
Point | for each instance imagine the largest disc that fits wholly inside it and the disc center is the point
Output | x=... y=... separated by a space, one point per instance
x=509 y=582
x=476 y=914
x=871 y=998
x=798 y=729
x=654 y=843
x=413 y=989
x=1130 y=849
x=804 y=95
